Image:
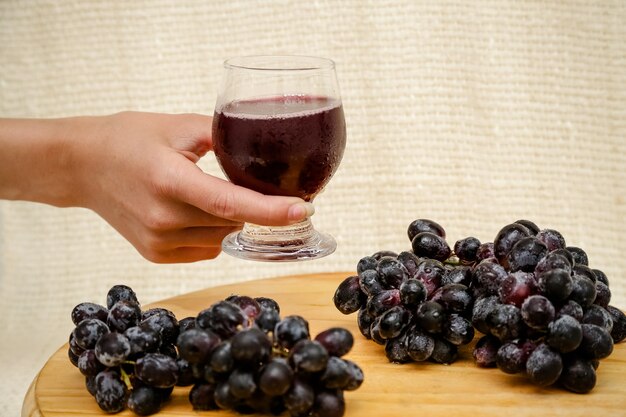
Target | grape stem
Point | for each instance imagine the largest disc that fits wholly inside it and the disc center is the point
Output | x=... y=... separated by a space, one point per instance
x=126 y=379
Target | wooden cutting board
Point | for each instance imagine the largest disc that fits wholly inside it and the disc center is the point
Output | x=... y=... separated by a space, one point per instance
x=428 y=389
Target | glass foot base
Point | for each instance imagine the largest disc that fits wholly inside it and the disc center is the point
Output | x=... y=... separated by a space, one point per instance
x=250 y=244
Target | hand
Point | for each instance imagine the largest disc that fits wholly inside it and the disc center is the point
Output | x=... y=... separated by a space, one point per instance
x=138 y=171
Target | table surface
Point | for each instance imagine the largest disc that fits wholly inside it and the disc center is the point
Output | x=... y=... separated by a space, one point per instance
x=459 y=389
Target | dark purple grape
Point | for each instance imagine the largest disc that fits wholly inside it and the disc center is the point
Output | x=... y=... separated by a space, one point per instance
x=487 y=278
x=485 y=251
x=87 y=332
x=275 y=377
x=336 y=375
x=384 y=253
x=110 y=391
x=290 y=331
x=90 y=384
x=526 y=254
x=202 y=397
x=88 y=364
x=516 y=287
x=579 y=255
x=186 y=324
x=369 y=282
x=381 y=302
x=251 y=347
x=571 y=308
x=336 y=340
x=364 y=322
x=391 y=273
x=89 y=311
x=412 y=292
x=419 y=345
x=505 y=322
x=506 y=238
x=430 y=316
x=467 y=249
x=250 y=307
x=597 y=342
x=486 y=350
x=223 y=318
x=328 y=403
x=168 y=349
x=537 y=312
x=553 y=260
x=375 y=332
x=583 y=291
x=544 y=365
x=444 y=352
x=144 y=401
x=552 y=239
x=431 y=273
x=356 y=376
x=157 y=370
x=142 y=339
x=578 y=376
x=119 y=293
x=556 y=284
x=241 y=383
x=267 y=303
x=532 y=227
x=458 y=330
x=308 y=356
x=396 y=350
x=393 y=322
x=454 y=298
x=300 y=397
x=186 y=374
x=599 y=316
x=112 y=349
x=223 y=396
x=410 y=262
x=267 y=320
x=603 y=294
x=74 y=348
x=429 y=245
x=73 y=357
x=585 y=271
x=564 y=334
x=618 y=333
x=481 y=310
x=366 y=263
x=348 y=297
x=458 y=275
x=601 y=276
x=512 y=356
x=196 y=345
x=122 y=315
x=222 y=360
x=425 y=225
x=164 y=322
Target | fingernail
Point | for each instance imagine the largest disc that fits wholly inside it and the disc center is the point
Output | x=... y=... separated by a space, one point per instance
x=301 y=211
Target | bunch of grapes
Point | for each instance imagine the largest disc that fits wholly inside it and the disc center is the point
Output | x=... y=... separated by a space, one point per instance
x=543 y=311
x=238 y=354
x=415 y=303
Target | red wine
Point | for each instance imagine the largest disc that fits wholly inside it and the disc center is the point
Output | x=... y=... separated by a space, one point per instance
x=288 y=145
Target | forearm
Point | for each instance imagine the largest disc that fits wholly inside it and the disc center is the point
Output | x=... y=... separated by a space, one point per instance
x=37 y=160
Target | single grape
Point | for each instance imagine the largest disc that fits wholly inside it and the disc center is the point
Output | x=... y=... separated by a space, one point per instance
x=597 y=342
x=554 y=260
x=364 y=322
x=110 y=391
x=420 y=345
x=186 y=374
x=410 y=262
x=142 y=339
x=290 y=330
x=571 y=308
x=336 y=340
x=89 y=311
x=223 y=318
x=578 y=376
x=506 y=238
x=553 y=239
x=454 y=298
x=564 y=334
x=444 y=352
x=579 y=255
x=584 y=271
x=222 y=360
x=308 y=356
x=396 y=349
x=526 y=254
x=366 y=263
x=241 y=383
x=556 y=284
x=486 y=350
x=583 y=291
x=275 y=377
x=164 y=322
x=223 y=396
x=485 y=251
x=537 y=312
x=119 y=293
x=157 y=370
x=186 y=323
x=267 y=303
x=512 y=356
x=144 y=401
x=73 y=357
x=384 y=253
x=369 y=282
x=88 y=364
x=603 y=294
x=336 y=375
x=196 y=345
x=393 y=322
x=267 y=320
x=532 y=227
x=431 y=273
x=618 y=333
x=599 y=316
x=375 y=332
x=90 y=384
x=457 y=330
x=544 y=365
x=412 y=292
x=356 y=376
x=516 y=287
x=505 y=322
x=348 y=297
x=461 y=274
x=300 y=397
x=466 y=249
x=88 y=332
x=391 y=273
x=425 y=225
x=488 y=277
x=481 y=310
x=250 y=347
x=382 y=302
x=601 y=276
x=430 y=245
x=74 y=348
x=328 y=403
x=250 y=307
x=112 y=349
x=201 y=397
x=430 y=316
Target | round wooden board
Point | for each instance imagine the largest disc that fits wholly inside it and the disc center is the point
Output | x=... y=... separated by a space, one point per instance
x=460 y=389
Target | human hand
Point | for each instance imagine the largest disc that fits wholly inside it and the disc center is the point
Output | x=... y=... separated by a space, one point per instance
x=139 y=173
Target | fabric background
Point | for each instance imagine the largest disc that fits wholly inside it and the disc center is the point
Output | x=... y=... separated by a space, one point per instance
x=473 y=114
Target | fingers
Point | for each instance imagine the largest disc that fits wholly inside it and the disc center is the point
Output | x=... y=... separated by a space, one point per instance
x=187 y=255
x=190 y=134
x=226 y=200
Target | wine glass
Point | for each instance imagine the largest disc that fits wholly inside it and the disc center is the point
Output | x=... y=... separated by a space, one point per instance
x=279 y=129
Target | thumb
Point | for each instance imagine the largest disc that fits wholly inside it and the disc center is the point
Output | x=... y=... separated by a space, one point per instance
x=229 y=201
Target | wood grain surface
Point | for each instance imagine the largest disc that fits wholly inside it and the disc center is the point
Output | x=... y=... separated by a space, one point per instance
x=427 y=389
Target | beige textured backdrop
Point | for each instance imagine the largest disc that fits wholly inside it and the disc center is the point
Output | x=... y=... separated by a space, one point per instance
x=473 y=114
